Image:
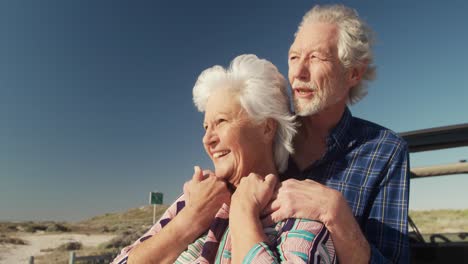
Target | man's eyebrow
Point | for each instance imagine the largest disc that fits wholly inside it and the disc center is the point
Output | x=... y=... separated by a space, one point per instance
x=292 y=51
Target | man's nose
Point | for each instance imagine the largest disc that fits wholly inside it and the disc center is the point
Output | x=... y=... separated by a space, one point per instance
x=300 y=70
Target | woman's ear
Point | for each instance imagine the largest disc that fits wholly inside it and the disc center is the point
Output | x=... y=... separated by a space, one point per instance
x=269 y=129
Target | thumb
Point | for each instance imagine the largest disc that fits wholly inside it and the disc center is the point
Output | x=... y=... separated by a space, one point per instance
x=271 y=181
x=197 y=174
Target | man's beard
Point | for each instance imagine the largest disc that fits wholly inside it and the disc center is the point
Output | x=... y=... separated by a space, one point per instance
x=323 y=97
x=311 y=107
x=306 y=107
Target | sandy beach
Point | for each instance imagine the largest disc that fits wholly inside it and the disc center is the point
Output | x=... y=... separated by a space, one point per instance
x=12 y=254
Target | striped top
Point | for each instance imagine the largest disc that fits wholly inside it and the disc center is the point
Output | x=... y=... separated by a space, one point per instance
x=289 y=241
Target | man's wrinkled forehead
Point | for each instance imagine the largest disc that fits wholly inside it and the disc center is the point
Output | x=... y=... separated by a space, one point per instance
x=315 y=36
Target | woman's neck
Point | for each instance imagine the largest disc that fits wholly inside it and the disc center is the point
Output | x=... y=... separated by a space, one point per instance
x=261 y=168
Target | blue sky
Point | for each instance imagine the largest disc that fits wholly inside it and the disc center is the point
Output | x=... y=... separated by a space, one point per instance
x=96 y=96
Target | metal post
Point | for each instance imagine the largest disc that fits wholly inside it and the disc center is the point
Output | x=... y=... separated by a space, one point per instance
x=72 y=258
x=154 y=214
x=31 y=260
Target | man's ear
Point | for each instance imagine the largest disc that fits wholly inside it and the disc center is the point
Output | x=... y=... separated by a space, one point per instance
x=355 y=73
x=269 y=129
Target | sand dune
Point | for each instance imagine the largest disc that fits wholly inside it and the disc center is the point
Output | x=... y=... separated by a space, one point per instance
x=10 y=254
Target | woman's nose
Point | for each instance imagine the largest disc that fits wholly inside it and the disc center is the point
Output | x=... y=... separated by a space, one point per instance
x=210 y=137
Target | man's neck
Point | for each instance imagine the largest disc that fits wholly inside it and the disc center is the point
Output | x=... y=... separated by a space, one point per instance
x=310 y=142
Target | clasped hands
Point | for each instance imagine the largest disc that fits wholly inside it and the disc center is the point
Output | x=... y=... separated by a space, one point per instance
x=265 y=197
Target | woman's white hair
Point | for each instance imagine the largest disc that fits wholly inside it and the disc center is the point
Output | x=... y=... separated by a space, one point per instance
x=262 y=93
x=354 y=43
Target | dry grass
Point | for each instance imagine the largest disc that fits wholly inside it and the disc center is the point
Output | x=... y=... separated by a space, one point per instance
x=6 y=239
x=31 y=227
x=121 y=221
x=128 y=226
x=440 y=221
x=60 y=256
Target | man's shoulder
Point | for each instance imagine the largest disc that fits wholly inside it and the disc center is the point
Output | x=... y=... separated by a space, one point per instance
x=367 y=132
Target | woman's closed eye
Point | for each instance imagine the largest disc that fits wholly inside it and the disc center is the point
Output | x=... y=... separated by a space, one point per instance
x=220 y=121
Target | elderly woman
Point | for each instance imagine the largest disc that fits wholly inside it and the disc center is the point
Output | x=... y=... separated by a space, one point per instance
x=248 y=133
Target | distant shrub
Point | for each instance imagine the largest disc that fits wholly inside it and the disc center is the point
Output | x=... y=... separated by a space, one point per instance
x=70 y=246
x=124 y=239
x=57 y=228
x=12 y=228
x=12 y=240
x=31 y=228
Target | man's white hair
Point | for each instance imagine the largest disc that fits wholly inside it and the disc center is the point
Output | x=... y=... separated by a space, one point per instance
x=262 y=93
x=354 y=42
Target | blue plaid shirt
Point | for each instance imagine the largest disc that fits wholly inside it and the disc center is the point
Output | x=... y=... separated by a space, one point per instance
x=369 y=165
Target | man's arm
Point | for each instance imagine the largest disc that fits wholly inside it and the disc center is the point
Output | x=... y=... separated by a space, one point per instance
x=385 y=238
x=387 y=226
x=310 y=200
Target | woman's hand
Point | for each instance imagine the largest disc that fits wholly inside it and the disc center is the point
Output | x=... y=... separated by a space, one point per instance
x=205 y=194
x=254 y=192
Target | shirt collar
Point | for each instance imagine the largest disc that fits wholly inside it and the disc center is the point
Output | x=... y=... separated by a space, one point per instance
x=339 y=139
x=340 y=134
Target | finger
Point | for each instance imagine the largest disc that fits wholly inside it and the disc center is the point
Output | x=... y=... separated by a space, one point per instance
x=256 y=176
x=273 y=218
x=271 y=207
x=311 y=182
x=271 y=181
x=197 y=174
x=207 y=173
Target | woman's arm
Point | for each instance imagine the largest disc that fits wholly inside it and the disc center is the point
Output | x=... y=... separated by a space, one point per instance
x=204 y=196
x=171 y=241
x=250 y=197
x=168 y=215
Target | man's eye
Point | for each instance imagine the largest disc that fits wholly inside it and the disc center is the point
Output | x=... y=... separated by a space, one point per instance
x=317 y=57
x=219 y=121
x=293 y=58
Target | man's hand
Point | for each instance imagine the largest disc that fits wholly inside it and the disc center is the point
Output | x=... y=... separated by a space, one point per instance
x=302 y=199
x=311 y=200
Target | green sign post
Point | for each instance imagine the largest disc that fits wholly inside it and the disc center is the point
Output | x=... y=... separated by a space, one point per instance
x=154 y=199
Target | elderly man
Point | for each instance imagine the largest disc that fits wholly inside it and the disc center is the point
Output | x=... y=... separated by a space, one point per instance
x=349 y=173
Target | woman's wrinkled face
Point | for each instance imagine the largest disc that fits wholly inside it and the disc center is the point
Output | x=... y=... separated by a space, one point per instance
x=232 y=140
